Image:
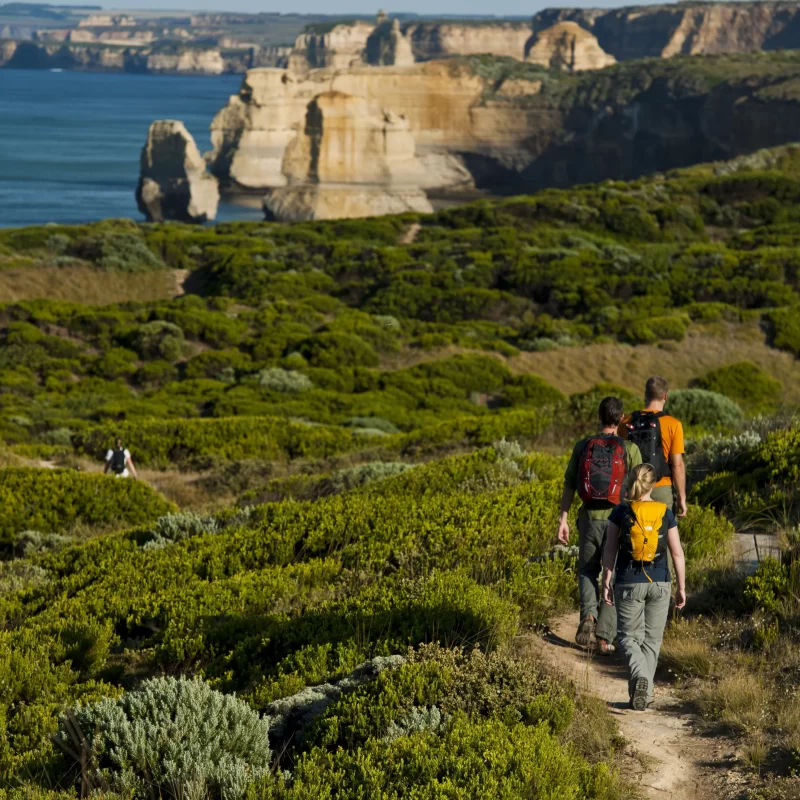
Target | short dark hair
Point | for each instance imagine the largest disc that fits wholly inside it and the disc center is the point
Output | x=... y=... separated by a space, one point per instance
x=611 y=411
x=118 y=440
x=656 y=388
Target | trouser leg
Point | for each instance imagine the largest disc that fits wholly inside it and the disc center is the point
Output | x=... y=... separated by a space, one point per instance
x=591 y=541
x=587 y=567
x=630 y=602
x=655 y=620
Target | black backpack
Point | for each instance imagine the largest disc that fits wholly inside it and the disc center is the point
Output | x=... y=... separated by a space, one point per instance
x=118 y=461
x=644 y=430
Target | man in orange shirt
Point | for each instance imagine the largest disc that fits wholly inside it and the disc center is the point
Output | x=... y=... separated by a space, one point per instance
x=660 y=440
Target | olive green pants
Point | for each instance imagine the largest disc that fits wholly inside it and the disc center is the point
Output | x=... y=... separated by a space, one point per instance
x=591 y=541
x=642 y=610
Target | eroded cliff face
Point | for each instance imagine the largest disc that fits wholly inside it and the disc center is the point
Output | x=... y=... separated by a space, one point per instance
x=662 y=31
x=251 y=134
x=105 y=58
x=348 y=159
x=568 y=47
x=442 y=40
x=530 y=130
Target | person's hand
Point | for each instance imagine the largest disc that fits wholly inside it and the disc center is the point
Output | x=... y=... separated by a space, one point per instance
x=608 y=594
x=563 y=532
x=680 y=598
x=682 y=509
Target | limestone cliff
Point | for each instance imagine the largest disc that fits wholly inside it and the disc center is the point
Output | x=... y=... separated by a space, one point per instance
x=148 y=59
x=348 y=159
x=687 y=28
x=390 y=43
x=251 y=133
x=173 y=182
x=508 y=127
x=567 y=46
x=339 y=48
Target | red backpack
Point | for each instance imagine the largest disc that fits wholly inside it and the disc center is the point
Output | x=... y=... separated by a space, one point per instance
x=602 y=469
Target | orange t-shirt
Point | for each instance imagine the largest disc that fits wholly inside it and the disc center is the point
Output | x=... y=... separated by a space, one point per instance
x=671 y=438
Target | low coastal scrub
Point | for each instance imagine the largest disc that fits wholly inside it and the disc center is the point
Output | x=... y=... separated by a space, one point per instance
x=54 y=501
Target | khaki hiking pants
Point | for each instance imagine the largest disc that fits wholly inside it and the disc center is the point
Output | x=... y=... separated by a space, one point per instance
x=591 y=540
x=642 y=610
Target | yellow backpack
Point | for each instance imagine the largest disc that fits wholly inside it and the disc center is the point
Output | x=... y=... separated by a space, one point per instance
x=644 y=533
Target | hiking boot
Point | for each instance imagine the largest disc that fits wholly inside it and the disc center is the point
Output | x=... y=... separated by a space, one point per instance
x=605 y=648
x=639 y=695
x=585 y=631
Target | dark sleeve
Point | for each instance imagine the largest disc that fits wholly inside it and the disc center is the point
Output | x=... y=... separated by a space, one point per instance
x=571 y=475
x=671 y=521
x=618 y=515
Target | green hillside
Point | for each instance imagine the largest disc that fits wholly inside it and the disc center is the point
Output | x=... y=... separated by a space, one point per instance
x=363 y=425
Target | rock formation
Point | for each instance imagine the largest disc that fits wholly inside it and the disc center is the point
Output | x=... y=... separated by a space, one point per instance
x=339 y=48
x=388 y=43
x=173 y=182
x=251 y=134
x=348 y=159
x=520 y=133
x=568 y=47
x=688 y=28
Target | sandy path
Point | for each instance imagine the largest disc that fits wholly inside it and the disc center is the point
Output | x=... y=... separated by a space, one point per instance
x=676 y=763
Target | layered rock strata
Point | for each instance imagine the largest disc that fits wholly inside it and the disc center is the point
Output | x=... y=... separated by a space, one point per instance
x=568 y=47
x=661 y=31
x=348 y=159
x=173 y=182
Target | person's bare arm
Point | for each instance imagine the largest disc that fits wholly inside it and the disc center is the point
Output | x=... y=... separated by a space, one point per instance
x=132 y=469
x=676 y=548
x=107 y=466
x=678 y=468
x=567 y=496
x=609 y=559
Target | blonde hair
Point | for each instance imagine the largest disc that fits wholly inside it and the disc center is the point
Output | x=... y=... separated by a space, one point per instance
x=644 y=479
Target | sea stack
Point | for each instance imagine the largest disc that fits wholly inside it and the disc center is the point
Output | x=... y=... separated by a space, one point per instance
x=173 y=182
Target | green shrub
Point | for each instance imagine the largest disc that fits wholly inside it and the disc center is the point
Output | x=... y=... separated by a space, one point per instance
x=116 y=252
x=175 y=738
x=336 y=350
x=276 y=379
x=704 y=409
x=484 y=758
x=768 y=589
x=785 y=329
x=55 y=500
x=159 y=443
x=745 y=383
x=115 y=363
x=158 y=339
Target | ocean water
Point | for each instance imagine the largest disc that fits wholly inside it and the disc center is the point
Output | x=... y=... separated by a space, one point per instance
x=70 y=141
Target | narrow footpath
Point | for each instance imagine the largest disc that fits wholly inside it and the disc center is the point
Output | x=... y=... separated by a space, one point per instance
x=669 y=756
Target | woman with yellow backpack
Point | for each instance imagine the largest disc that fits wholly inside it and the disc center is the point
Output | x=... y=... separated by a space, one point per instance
x=639 y=535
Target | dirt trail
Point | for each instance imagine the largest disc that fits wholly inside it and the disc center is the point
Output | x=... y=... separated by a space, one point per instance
x=675 y=762
x=410 y=235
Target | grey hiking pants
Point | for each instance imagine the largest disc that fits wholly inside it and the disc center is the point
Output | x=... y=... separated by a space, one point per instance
x=591 y=540
x=642 y=610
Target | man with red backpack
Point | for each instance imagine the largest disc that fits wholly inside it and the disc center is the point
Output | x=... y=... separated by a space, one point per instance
x=599 y=471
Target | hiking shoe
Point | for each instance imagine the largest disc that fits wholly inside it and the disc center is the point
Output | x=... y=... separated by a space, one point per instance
x=639 y=696
x=605 y=648
x=585 y=632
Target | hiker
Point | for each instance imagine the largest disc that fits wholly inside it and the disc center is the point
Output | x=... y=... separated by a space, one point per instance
x=119 y=461
x=598 y=470
x=659 y=437
x=640 y=533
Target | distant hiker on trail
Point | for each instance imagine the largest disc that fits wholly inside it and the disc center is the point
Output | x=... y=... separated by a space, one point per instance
x=598 y=471
x=660 y=440
x=119 y=461
x=639 y=536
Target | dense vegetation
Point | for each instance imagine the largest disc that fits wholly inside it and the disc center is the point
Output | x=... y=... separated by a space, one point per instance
x=369 y=486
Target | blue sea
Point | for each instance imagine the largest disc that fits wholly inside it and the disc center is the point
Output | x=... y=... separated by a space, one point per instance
x=70 y=141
